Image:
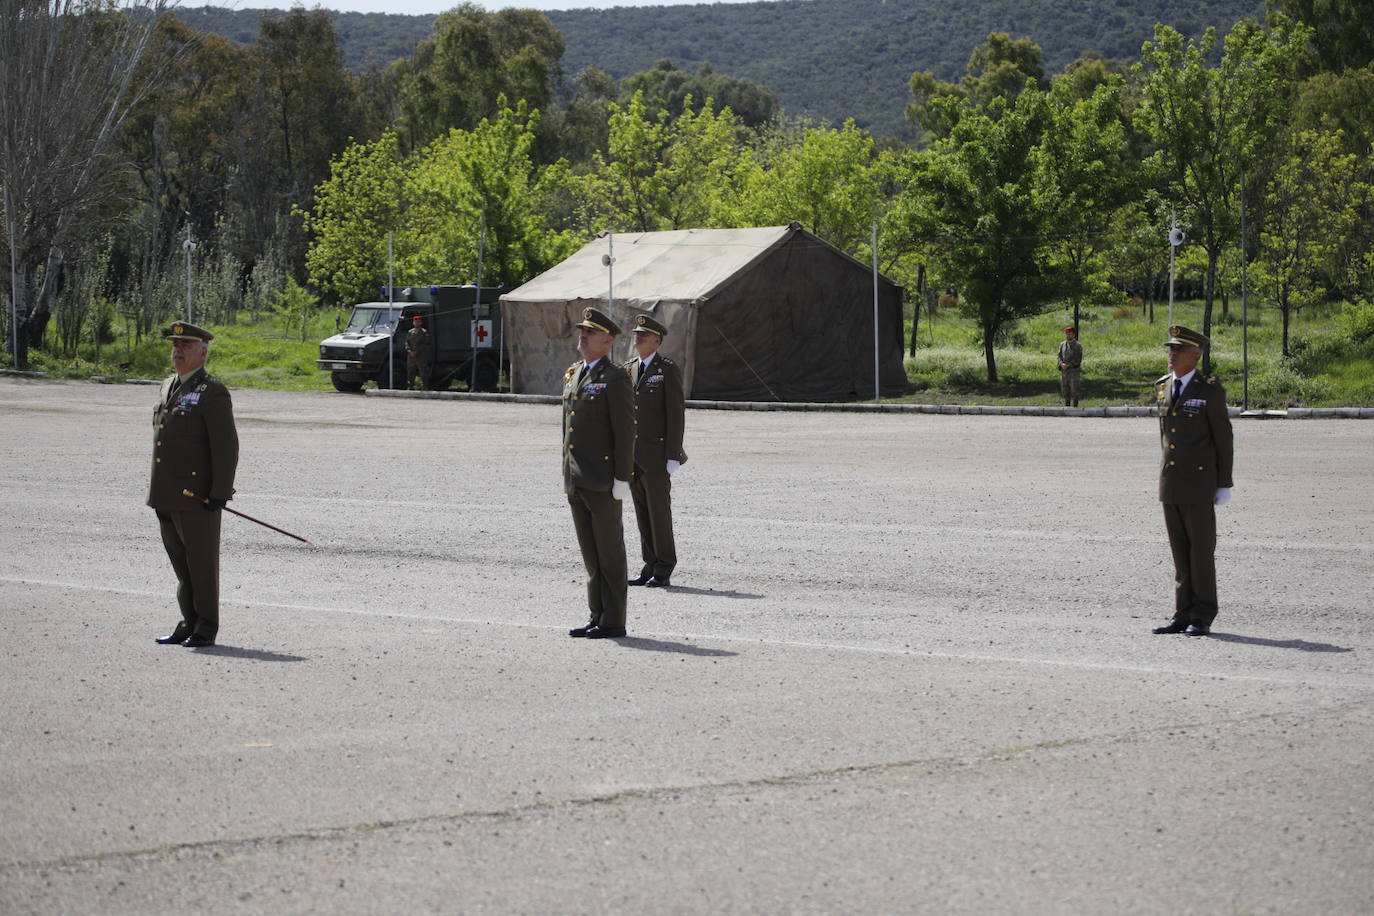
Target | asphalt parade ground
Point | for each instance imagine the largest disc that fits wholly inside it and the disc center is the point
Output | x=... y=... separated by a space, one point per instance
x=906 y=666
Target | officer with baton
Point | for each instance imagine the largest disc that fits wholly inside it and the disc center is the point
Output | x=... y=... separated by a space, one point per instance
x=195 y=450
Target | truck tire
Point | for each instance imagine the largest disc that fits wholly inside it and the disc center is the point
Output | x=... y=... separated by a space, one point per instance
x=346 y=385
x=487 y=377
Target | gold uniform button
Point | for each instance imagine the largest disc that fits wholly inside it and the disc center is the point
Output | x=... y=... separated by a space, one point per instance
x=1171 y=446
x=157 y=461
x=1171 y=464
x=1173 y=429
x=158 y=442
x=1201 y=468
x=193 y=473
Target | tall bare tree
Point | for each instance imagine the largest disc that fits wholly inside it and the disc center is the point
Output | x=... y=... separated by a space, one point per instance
x=67 y=86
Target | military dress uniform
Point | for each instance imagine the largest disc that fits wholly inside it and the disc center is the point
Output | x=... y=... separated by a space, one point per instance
x=196 y=448
x=1197 y=451
x=598 y=450
x=660 y=415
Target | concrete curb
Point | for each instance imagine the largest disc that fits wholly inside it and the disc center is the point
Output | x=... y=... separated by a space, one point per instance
x=963 y=410
x=1293 y=413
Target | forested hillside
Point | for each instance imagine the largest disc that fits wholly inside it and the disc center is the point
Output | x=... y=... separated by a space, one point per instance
x=825 y=59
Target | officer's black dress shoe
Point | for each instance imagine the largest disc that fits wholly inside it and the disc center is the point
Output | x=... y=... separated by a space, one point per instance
x=605 y=632
x=641 y=580
x=196 y=641
x=656 y=582
x=583 y=630
x=1173 y=626
x=174 y=638
x=1198 y=629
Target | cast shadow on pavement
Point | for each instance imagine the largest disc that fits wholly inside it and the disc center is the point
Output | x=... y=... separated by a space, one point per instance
x=709 y=592
x=1300 y=644
x=255 y=655
x=659 y=645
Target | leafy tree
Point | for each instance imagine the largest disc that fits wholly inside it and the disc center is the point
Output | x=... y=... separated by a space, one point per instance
x=663 y=172
x=68 y=85
x=998 y=68
x=1311 y=207
x=989 y=205
x=455 y=77
x=484 y=185
x=467 y=186
x=1083 y=159
x=1342 y=30
x=667 y=87
x=313 y=99
x=354 y=209
x=580 y=130
x=825 y=179
x=1211 y=124
x=1339 y=102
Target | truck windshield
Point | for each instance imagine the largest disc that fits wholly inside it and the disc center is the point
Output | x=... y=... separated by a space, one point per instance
x=373 y=320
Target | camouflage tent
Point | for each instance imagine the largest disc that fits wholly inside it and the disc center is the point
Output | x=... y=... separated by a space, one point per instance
x=767 y=314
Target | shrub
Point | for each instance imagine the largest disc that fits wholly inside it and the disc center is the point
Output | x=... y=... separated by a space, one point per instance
x=1356 y=321
x=1284 y=387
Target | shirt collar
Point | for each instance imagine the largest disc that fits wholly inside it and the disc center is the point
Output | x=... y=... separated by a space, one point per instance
x=1185 y=379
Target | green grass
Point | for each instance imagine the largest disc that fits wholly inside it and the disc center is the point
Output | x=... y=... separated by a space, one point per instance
x=245 y=354
x=1123 y=354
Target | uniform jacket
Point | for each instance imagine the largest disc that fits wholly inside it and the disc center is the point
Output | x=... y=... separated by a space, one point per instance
x=195 y=444
x=1070 y=354
x=1195 y=437
x=660 y=412
x=418 y=343
x=598 y=426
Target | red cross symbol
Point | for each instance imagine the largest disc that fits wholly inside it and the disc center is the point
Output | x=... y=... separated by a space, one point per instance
x=482 y=334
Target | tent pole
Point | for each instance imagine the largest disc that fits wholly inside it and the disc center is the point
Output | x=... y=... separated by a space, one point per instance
x=877 y=390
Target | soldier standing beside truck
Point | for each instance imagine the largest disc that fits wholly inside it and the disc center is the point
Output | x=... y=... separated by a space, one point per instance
x=419 y=354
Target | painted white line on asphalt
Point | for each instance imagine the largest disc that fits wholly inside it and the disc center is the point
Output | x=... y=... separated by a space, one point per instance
x=785 y=643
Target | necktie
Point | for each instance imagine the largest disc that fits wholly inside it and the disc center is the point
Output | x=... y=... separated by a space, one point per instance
x=583 y=374
x=1178 y=388
x=173 y=391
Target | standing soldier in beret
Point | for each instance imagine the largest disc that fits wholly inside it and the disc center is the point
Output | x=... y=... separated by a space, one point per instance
x=598 y=459
x=1070 y=367
x=660 y=413
x=1194 y=478
x=419 y=353
x=196 y=448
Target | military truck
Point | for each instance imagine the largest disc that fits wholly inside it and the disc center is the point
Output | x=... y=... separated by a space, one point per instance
x=468 y=346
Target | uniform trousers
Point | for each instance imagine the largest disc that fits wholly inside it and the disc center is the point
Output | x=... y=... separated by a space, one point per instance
x=1069 y=384
x=653 y=497
x=192 y=542
x=414 y=367
x=1192 y=531
x=601 y=536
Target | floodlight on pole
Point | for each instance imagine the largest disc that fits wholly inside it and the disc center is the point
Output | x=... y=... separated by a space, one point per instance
x=188 y=246
x=1176 y=238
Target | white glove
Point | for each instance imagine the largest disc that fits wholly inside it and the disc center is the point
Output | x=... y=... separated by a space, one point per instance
x=621 y=490
x=1223 y=496
x=673 y=466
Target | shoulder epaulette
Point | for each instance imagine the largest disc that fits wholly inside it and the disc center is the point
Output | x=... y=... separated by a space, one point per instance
x=1163 y=378
x=569 y=374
